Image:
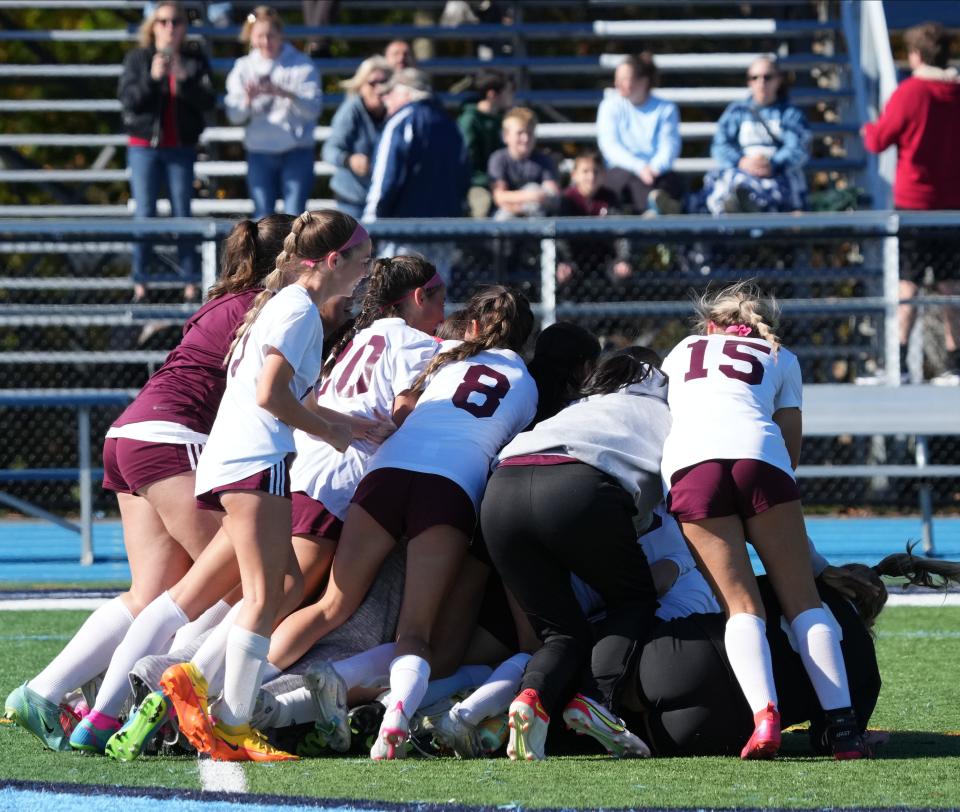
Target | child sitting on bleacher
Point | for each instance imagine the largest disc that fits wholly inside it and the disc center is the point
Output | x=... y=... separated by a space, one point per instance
x=584 y=262
x=523 y=180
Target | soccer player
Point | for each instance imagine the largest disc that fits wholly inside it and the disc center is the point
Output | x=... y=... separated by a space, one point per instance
x=728 y=465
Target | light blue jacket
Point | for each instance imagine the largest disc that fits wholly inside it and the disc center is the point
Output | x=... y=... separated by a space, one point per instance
x=633 y=136
x=353 y=130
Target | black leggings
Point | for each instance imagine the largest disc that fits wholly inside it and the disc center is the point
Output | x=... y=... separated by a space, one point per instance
x=694 y=705
x=542 y=522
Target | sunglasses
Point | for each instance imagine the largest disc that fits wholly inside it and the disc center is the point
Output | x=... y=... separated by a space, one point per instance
x=174 y=21
x=766 y=77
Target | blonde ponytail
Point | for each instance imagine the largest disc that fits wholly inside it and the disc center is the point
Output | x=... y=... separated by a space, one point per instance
x=741 y=303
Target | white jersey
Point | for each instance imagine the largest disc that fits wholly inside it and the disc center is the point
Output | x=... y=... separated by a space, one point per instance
x=468 y=411
x=380 y=362
x=724 y=391
x=690 y=593
x=245 y=438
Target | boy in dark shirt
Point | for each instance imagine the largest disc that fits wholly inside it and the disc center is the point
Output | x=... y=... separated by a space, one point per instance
x=523 y=181
x=584 y=262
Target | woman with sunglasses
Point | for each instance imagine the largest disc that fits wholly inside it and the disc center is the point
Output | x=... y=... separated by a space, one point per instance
x=354 y=133
x=275 y=91
x=165 y=91
x=761 y=146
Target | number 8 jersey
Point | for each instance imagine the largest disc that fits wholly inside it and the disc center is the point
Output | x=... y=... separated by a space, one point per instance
x=468 y=412
x=724 y=391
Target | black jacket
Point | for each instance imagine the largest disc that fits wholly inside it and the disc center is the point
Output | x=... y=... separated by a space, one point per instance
x=144 y=99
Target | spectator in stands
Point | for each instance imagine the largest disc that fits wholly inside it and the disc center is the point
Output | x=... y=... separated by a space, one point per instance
x=522 y=179
x=319 y=14
x=480 y=125
x=639 y=137
x=589 y=260
x=400 y=55
x=354 y=133
x=165 y=91
x=761 y=145
x=922 y=118
x=275 y=91
x=421 y=167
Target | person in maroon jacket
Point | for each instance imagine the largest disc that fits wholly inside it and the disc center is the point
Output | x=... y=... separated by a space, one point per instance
x=922 y=119
x=149 y=458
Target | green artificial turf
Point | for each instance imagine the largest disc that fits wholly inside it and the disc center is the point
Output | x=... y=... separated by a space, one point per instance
x=918 y=651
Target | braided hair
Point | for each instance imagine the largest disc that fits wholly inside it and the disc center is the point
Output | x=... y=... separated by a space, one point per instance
x=505 y=320
x=741 y=303
x=313 y=235
x=389 y=282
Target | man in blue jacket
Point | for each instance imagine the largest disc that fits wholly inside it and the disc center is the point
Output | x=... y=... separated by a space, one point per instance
x=421 y=168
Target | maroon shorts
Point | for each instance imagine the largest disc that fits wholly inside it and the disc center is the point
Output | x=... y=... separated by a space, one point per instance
x=274 y=480
x=715 y=488
x=129 y=465
x=311 y=518
x=405 y=503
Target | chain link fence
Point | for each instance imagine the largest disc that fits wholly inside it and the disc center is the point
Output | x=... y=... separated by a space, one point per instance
x=66 y=322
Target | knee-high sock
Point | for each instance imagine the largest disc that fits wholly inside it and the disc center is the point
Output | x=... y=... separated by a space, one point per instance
x=210 y=656
x=749 y=654
x=149 y=633
x=246 y=656
x=187 y=634
x=466 y=676
x=368 y=668
x=496 y=694
x=409 y=677
x=822 y=657
x=87 y=654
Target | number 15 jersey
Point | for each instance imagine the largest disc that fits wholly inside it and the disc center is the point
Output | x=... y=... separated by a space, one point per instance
x=723 y=393
x=469 y=410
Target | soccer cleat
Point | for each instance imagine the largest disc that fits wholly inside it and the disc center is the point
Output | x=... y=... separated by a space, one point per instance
x=38 y=716
x=528 y=727
x=590 y=718
x=842 y=735
x=93 y=732
x=186 y=688
x=493 y=733
x=329 y=694
x=364 y=722
x=455 y=734
x=393 y=735
x=128 y=742
x=764 y=742
x=244 y=743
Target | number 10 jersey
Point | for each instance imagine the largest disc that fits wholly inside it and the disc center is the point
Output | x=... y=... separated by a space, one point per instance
x=724 y=391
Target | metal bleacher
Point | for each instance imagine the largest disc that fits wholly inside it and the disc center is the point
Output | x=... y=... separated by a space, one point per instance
x=702 y=50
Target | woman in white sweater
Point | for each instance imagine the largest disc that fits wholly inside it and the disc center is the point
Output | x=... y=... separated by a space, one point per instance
x=275 y=90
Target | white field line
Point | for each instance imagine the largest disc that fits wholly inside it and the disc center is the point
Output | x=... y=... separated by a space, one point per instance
x=221 y=776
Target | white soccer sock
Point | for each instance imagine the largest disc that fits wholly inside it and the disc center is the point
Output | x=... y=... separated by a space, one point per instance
x=466 y=676
x=368 y=668
x=409 y=677
x=822 y=658
x=745 y=640
x=270 y=672
x=210 y=656
x=496 y=694
x=246 y=656
x=187 y=634
x=295 y=707
x=87 y=654
x=149 y=633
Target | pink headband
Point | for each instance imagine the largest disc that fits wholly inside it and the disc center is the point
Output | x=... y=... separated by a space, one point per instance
x=434 y=281
x=359 y=235
x=741 y=330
